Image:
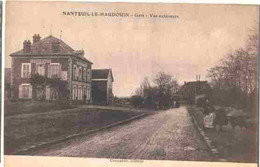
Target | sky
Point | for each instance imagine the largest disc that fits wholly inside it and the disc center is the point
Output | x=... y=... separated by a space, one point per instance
x=136 y=47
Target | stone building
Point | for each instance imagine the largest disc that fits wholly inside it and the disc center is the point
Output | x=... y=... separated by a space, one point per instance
x=102 y=86
x=49 y=69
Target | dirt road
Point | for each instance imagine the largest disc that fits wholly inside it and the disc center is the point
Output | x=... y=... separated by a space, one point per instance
x=168 y=135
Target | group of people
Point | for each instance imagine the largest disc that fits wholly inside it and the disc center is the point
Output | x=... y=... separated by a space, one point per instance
x=214 y=117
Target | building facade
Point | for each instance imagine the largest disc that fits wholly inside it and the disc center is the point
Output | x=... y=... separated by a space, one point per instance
x=50 y=69
x=102 y=86
x=190 y=92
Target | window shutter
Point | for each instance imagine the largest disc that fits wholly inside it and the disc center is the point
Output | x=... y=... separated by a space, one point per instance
x=29 y=69
x=76 y=73
x=30 y=91
x=22 y=70
x=59 y=73
x=20 y=91
x=36 y=69
x=88 y=93
x=49 y=71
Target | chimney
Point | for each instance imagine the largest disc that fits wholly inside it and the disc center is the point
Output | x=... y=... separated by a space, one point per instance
x=27 y=46
x=36 y=38
x=55 y=46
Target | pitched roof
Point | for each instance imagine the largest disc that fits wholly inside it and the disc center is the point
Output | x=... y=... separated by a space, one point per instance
x=101 y=73
x=201 y=85
x=195 y=83
x=44 y=47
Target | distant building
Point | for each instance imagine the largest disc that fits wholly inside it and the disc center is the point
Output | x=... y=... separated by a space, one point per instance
x=191 y=91
x=102 y=86
x=65 y=73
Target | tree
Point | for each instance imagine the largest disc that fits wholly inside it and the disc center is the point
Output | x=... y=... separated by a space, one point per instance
x=234 y=79
x=38 y=83
x=161 y=94
x=166 y=87
x=137 y=101
x=144 y=86
x=59 y=86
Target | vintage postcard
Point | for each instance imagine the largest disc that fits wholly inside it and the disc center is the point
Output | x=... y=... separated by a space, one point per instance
x=131 y=84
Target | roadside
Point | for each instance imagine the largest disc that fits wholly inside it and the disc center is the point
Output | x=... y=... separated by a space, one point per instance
x=23 y=131
x=230 y=143
x=34 y=106
x=14 y=108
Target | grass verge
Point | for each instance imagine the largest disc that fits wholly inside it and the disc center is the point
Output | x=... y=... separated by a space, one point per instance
x=26 y=130
x=235 y=145
x=33 y=106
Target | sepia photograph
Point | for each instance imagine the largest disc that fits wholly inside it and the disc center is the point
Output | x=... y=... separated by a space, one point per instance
x=131 y=82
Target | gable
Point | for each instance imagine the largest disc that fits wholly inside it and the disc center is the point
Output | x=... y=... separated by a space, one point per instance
x=102 y=74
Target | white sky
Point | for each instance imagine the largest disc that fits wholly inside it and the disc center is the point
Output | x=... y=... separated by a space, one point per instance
x=137 y=47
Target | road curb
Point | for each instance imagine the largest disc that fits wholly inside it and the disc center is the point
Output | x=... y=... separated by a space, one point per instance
x=43 y=144
x=214 y=151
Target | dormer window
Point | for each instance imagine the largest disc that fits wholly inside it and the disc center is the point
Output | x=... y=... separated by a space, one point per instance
x=55 y=46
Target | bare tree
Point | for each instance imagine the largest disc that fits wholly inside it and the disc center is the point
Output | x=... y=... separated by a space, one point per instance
x=144 y=86
x=166 y=86
x=160 y=94
x=236 y=73
x=165 y=83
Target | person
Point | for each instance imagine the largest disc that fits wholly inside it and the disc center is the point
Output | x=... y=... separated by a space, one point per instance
x=206 y=107
x=220 y=119
x=209 y=115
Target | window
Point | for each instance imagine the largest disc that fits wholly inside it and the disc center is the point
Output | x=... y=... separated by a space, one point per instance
x=48 y=93
x=54 y=94
x=40 y=69
x=80 y=93
x=84 y=75
x=74 y=72
x=74 y=92
x=51 y=93
x=80 y=74
x=84 y=93
x=26 y=70
x=25 y=91
x=88 y=93
x=54 y=70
